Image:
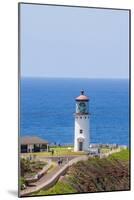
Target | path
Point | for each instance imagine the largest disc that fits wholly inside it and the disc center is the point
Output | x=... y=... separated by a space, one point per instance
x=50 y=179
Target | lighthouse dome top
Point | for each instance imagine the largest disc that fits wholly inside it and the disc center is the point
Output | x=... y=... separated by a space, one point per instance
x=82 y=97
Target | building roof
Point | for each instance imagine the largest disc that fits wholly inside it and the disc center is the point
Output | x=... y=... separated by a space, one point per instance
x=32 y=140
x=82 y=97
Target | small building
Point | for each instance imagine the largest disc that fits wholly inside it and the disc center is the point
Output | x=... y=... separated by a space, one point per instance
x=33 y=144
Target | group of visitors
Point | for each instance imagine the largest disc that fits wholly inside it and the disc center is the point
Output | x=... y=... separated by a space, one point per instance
x=60 y=161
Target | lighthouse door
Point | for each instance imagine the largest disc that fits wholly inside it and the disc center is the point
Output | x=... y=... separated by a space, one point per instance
x=80 y=146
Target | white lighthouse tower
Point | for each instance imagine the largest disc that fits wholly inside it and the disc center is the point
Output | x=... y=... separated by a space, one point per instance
x=81 y=136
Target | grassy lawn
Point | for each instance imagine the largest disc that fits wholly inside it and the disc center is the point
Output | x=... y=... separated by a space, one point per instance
x=122 y=155
x=65 y=151
x=58 y=151
x=60 y=187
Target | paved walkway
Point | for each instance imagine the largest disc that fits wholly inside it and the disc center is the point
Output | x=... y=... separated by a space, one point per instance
x=50 y=179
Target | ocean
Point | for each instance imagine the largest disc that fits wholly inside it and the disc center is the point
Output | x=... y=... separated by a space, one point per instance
x=47 y=107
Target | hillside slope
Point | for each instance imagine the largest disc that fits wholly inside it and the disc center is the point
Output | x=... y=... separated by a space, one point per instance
x=95 y=175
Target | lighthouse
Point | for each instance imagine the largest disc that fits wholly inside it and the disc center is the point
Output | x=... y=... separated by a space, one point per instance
x=81 y=135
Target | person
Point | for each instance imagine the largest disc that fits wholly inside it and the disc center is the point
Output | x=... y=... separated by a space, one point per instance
x=52 y=152
x=59 y=161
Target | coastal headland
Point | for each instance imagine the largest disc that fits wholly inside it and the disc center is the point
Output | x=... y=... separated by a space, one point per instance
x=57 y=167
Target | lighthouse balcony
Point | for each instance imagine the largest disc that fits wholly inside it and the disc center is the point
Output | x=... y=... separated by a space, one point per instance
x=82 y=113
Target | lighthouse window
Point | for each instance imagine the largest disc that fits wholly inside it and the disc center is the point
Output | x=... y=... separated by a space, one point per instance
x=81 y=131
x=85 y=117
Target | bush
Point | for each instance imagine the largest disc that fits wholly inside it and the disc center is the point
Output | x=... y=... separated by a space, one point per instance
x=25 y=166
x=22 y=183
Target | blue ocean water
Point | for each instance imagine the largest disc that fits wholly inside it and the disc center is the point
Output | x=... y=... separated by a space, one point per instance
x=47 y=106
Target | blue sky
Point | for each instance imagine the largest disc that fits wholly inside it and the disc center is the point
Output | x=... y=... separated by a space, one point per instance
x=59 y=41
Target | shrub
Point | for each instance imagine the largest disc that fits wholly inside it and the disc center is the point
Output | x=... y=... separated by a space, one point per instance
x=22 y=183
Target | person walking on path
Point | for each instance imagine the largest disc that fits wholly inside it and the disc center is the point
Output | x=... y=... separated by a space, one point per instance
x=59 y=161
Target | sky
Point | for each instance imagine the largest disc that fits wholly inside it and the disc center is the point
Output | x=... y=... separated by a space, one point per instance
x=57 y=41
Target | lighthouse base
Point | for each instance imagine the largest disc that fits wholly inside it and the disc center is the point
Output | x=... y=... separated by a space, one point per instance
x=81 y=146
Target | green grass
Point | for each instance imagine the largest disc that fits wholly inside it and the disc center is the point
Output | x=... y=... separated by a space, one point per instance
x=122 y=155
x=65 y=151
x=60 y=187
x=58 y=151
x=22 y=182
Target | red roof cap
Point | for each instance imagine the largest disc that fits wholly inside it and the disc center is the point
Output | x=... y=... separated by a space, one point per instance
x=82 y=97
